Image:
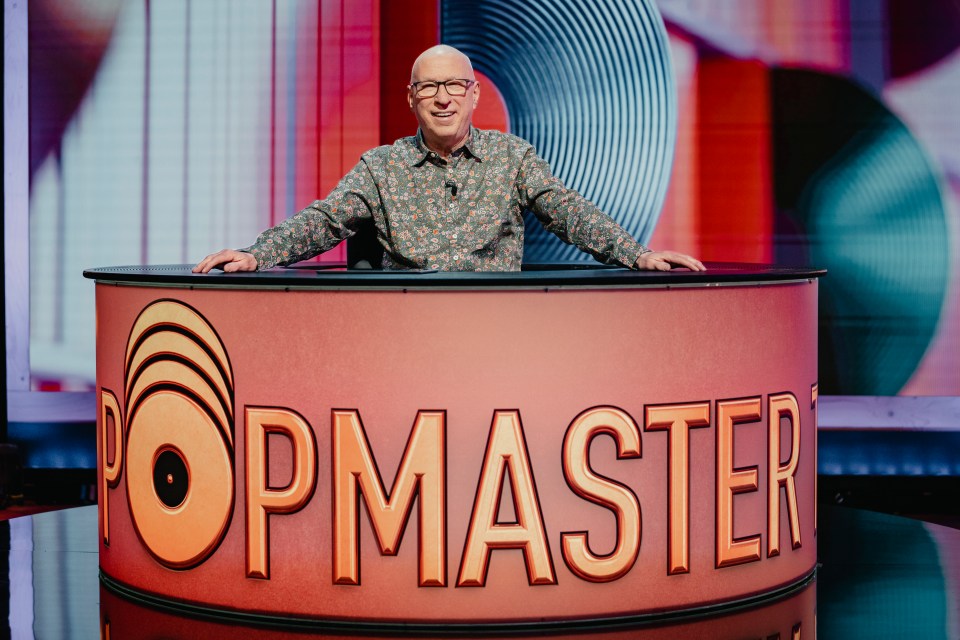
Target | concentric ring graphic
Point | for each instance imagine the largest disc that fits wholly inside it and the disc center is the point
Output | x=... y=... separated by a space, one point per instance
x=180 y=434
x=590 y=85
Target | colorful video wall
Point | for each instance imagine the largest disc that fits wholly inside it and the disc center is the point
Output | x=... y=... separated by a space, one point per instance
x=793 y=132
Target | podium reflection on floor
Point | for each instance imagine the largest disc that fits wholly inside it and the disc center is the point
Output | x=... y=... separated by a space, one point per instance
x=879 y=576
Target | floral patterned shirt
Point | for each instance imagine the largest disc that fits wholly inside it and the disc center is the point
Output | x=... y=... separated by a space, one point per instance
x=464 y=213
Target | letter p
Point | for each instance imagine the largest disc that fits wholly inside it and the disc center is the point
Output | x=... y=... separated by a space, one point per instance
x=261 y=499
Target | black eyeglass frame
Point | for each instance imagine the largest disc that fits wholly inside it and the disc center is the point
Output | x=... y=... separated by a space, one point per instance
x=415 y=86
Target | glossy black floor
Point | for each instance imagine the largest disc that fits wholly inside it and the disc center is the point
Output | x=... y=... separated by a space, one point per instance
x=880 y=576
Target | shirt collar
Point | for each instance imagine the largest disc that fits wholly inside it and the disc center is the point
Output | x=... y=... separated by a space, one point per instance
x=418 y=151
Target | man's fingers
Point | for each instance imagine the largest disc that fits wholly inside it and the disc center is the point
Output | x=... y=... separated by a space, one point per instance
x=203 y=266
x=208 y=263
x=229 y=259
x=664 y=260
x=234 y=266
x=686 y=261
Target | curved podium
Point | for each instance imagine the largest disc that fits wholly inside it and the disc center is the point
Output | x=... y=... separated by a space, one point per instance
x=405 y=450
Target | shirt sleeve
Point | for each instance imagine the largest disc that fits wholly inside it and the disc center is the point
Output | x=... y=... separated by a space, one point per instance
x=571 y=217
x=322 y=225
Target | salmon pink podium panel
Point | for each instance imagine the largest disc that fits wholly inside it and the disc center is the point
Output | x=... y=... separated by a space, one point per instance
x=553 y=446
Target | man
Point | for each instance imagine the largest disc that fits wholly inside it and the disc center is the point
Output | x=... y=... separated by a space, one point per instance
x=451 y=198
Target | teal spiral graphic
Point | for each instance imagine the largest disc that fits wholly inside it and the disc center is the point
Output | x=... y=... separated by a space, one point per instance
x=858 y=195
x=590 y=85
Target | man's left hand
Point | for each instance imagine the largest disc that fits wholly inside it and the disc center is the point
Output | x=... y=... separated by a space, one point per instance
x=666 y=260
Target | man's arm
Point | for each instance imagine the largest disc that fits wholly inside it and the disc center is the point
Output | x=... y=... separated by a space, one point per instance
x=317 y=228
x=576 y=220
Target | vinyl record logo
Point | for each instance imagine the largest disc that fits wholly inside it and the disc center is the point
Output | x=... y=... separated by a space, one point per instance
x=180 y=434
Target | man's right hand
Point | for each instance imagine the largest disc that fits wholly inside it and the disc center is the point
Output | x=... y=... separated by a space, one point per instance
x=229 y=260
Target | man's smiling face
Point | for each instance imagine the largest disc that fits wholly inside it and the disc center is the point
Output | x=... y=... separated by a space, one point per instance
x=444 y=119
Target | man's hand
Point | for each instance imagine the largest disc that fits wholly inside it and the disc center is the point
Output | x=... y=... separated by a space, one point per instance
x=665 y=260
x=229 y=260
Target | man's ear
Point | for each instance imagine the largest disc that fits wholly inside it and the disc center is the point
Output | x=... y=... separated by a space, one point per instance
x=476 y=94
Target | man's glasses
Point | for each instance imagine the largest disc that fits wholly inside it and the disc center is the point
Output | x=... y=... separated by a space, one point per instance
x=429 y=88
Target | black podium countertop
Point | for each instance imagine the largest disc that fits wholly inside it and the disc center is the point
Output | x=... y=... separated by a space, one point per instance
x=551 y=275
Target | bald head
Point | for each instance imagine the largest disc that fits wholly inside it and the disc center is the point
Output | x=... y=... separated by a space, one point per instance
x=441 y=51
x=444 y=110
